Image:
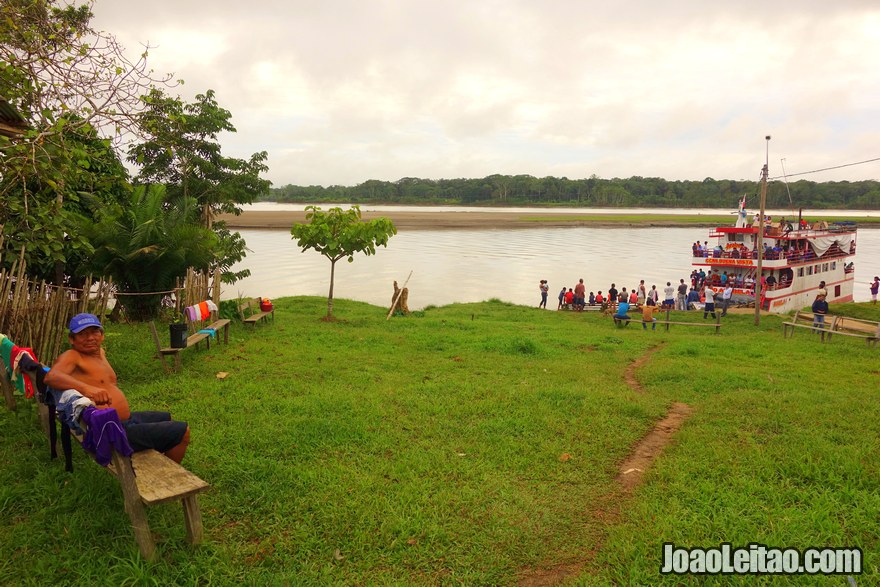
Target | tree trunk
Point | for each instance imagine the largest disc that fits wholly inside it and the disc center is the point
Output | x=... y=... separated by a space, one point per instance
x=330 y=295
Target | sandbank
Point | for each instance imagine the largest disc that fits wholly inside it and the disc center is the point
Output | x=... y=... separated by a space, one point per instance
x=416 y=220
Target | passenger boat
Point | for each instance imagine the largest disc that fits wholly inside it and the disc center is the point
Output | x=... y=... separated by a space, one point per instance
x=798 y=257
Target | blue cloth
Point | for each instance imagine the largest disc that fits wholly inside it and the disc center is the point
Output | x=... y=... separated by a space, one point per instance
x=209 y=331
x=70 y=405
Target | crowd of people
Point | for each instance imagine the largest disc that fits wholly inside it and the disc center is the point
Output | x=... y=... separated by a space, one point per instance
x=648 y=301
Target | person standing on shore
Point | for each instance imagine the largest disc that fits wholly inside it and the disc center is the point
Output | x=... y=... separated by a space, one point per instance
x=725 y=298
x=875 y=287
x=580 y=292
x=820 y=309
x=709 y=308
x=669 y=292
x=561 y=298
x=545 y=289
x=681 y=299
x=643 y=292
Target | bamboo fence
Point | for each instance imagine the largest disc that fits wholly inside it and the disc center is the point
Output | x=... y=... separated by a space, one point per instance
x=36 y=314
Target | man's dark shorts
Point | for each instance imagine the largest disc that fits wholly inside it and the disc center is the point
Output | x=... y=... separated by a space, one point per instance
x=154 y=430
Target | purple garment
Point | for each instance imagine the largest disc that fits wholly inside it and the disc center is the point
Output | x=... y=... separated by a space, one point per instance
x=104 y=434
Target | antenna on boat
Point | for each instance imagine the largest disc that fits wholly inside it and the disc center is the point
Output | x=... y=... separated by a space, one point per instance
x=785 y=180
x=759 y=246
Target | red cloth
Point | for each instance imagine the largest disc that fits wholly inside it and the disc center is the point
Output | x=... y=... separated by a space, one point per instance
x=14 y=358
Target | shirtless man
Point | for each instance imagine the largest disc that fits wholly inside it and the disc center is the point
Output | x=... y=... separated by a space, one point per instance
x=85 y=368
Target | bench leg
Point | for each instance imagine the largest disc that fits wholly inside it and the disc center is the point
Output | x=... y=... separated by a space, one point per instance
x=137 y=513
x=8 y=394
x=178 y=362
x=43 y=410
x=192 y=517
x=226 y=334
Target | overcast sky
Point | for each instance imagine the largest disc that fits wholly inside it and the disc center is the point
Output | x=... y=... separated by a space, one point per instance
x=341 y=91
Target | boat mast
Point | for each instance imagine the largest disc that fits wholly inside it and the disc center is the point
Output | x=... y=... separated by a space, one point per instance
x=759 y=290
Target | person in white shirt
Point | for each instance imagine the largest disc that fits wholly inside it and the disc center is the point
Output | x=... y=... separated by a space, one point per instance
x=669 y=292
x=725 y=298
x=709 y=308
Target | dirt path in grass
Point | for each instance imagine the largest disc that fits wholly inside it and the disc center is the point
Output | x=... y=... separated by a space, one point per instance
x=630 y=374
x=630 y=475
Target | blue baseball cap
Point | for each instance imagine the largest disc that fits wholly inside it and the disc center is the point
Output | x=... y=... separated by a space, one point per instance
x=82 y=321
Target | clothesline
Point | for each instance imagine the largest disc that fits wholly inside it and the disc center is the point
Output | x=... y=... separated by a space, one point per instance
x=114 y=292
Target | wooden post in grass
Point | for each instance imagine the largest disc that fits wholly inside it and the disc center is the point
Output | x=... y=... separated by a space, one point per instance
x=667 y=318
x=396 y=299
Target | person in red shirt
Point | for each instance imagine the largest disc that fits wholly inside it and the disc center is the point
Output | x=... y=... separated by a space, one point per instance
x=580 y=292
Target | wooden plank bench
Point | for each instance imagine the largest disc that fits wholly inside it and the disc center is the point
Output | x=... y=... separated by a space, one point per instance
x=805 y=320
x=716 y=325
x=212 y=322
x=192 y=341
x=148 y=478
x=868 y=330
x=250 y=311
x=621 y=322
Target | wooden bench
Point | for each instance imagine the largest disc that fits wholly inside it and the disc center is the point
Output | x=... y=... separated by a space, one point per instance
x=212 y=322
x=716 y=325
x=147 y=478
x=806 y=320
x=192 y=341
x=857 y=328
x=621 y=322
x=250 y=311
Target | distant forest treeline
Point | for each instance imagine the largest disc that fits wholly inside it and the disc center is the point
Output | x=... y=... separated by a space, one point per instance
x=520 y=190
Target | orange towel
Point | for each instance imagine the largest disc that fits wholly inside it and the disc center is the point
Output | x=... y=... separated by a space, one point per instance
x=203 y=308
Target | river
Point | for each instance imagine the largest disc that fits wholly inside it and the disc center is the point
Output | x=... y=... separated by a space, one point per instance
x=473 y=265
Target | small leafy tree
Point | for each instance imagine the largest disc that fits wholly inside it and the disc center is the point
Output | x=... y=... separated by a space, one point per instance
x=339 y=233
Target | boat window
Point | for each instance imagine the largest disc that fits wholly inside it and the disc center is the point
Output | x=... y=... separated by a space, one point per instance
x=800 y=271
x=810 y=270
x=825 y=267
x=836 y=291
x=833 y=265
x=816 y=269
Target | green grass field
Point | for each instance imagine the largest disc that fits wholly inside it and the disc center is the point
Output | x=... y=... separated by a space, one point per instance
x=426 y=451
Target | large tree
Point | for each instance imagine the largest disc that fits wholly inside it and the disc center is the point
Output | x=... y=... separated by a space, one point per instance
x=77 y=90
x=338 y=234
x=181 y=150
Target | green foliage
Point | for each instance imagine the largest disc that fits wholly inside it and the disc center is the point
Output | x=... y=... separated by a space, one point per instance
x=511 y=190
x=339 y=233
x=146 y=245
x=73 y=87
x=49 y=191
x=181 y=150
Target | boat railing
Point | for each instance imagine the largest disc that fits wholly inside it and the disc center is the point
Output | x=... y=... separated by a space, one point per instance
x=773 y=255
